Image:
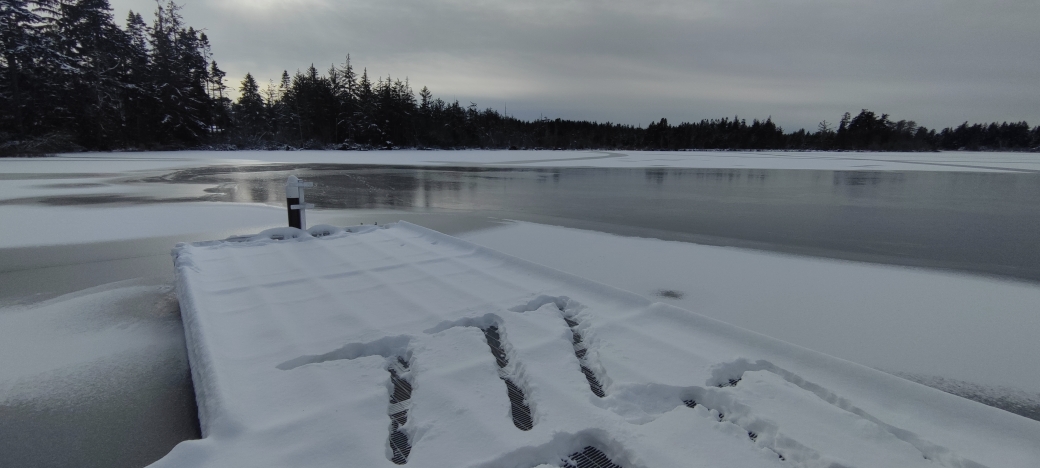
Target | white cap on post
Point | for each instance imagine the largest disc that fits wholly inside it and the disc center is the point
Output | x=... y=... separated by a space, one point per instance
x=292 y=187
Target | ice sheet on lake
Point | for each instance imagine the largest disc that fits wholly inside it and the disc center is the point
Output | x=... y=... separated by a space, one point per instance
x=66 y=335
x=54 y=225
x=847 y=161
x=390 y=345
x=95 y=378
x=899 y=319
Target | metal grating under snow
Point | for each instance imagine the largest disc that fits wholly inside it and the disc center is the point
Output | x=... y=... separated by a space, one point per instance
x=589 y=457
x=400 y=446
x=580 y=351
x=521 y=412
x=730 y=383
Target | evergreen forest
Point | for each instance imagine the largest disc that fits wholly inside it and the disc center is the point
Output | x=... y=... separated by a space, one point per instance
x=72 y=79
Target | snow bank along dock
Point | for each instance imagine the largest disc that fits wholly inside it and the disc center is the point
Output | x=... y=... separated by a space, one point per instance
x=388 y=345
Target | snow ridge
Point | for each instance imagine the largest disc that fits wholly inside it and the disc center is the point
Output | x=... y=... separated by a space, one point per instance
x=397 y=354
x=569 y=310
x=730 y=374
x=386 y=347
x=509 y=370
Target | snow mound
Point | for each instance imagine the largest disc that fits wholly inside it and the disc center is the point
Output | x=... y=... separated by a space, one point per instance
x=390 y=345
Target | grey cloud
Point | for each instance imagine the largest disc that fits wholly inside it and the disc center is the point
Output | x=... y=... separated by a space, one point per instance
x=939 y=62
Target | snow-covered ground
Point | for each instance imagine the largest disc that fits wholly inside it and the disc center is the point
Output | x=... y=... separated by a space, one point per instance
x=88 y=164
x=393 y=344
x=909 y=320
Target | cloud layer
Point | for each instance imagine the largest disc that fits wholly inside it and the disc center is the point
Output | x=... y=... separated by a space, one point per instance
x=940 y=62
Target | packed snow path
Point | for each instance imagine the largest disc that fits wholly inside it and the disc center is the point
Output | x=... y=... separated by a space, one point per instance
x=370 y=347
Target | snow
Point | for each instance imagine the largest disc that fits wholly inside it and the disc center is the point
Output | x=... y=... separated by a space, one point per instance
x=933 y=326
x=25 y=189
x=94 y=378
x=53 y=186
x=29 y=225
x=861 y=161
x=910 y=320
x=291 y=341
x=70 y=335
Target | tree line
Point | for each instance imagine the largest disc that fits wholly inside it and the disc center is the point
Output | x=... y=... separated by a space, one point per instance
x=72 y=79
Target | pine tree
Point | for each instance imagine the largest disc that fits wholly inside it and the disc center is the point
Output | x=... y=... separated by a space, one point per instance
x=220 y=113
x=425 y=97
x=337 y=85
x=313 y=106
x=369 y=131
x=250 y=110
x=347 y=99
x=96 y=48
x=29 y=59
x=140 y=106
x=180 y=74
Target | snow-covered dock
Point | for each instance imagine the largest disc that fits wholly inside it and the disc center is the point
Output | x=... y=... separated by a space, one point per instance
x=387 y=345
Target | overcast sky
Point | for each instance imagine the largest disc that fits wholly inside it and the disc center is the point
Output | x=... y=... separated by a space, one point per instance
x=939 y=62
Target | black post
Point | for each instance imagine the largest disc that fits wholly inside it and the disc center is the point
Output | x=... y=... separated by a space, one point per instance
x=292 y=199
x=294 y=215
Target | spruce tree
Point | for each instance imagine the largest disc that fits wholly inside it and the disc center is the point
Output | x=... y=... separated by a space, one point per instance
x=368 y=129
x=220 y=111
x=139 y=104
x=250 y=111
x=180 y=75
x=29 y=61
x=425 y=97
x=347 y=99
x=96 y=48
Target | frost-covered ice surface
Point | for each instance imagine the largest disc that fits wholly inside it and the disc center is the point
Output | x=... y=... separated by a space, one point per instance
x=53 y=225
x=911 y=320
x=94 y=378
x=1014 y=400
x=74 y=330
x=88 y=163
x=399 y=344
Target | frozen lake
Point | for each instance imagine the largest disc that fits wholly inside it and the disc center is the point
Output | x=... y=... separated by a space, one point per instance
x=976 y=222
x=92 y=221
